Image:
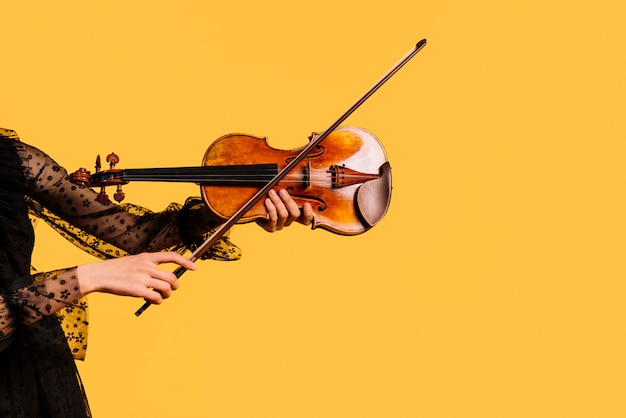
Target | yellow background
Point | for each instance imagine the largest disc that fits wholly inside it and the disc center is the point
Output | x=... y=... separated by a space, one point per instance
x=493 y=288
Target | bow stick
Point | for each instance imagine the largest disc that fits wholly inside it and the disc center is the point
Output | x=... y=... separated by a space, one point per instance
x=315 y=141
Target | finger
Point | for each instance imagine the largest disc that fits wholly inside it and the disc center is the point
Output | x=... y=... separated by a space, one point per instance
x=148 y=293
x=281 y=209
x=161 y=287
x=291 y=207
x=307 y=214
x=163 y=280
x=153 y=296
x=272 y=215
x=173 y=257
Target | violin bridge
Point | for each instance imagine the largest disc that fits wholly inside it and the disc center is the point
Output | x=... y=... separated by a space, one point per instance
x=306 y=175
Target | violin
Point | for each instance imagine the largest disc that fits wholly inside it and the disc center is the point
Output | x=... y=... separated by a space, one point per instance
x=346 y=178
x=342 y=171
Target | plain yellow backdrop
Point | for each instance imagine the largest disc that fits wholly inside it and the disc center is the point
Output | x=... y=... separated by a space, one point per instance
x=494 y=287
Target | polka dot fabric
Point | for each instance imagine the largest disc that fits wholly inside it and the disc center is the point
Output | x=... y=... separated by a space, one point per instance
x=43 y=316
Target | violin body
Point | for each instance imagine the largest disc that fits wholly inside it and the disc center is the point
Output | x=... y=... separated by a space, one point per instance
x=346 y=179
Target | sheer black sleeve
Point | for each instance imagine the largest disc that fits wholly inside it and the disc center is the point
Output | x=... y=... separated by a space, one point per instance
x=24 y=305
x=131 y=229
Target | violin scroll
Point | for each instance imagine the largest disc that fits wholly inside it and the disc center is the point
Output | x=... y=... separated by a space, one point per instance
x=83 y=178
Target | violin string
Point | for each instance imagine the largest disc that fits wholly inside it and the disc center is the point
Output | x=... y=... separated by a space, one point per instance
x=234 y=177
x=261 y=180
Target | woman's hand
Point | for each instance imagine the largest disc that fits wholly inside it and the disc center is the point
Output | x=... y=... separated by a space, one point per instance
x=282 y=210
x=134 y=275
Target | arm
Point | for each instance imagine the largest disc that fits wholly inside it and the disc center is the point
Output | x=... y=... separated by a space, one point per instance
x=24 y=302
x=130 y=227
x=135 y=276
x=133 y=231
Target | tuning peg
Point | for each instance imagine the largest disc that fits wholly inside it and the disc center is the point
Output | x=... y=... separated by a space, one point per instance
x=103 y=197
x=113 y=159
x=119 y=195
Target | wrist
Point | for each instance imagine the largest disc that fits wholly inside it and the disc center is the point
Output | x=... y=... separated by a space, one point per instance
x=87 y=279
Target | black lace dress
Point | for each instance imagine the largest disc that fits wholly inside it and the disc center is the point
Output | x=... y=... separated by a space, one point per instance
x=38 y=376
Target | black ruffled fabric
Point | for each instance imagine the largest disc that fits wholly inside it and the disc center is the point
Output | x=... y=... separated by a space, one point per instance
x=38 y=375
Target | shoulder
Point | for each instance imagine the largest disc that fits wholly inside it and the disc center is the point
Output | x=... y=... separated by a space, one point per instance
x=33 y=161
x=9 y=133
x=25 y=150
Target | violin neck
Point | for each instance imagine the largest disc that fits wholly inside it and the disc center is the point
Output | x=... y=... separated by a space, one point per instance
x=233 y=175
